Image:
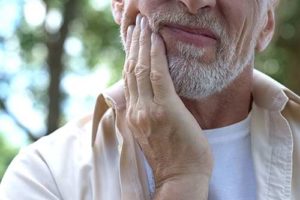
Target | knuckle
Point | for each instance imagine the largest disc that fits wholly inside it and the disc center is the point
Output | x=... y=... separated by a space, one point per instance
x=142 y=118
x=158 y=114
x=143 y=40
x=135 y=40
x=130 y=115
x=126 y=93
x=141 y=70
x=155 y=76
x=138 y=117
x=131 y=63
x=154 y=52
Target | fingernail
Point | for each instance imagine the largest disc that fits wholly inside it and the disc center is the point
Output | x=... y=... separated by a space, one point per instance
x=144 y=22
x=129 y=30
x=138 y=19
x=153 y=37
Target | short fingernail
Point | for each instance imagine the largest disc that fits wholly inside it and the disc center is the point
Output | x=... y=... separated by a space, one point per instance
x=153 y=37
x=144 y=22
x=138 y=19
x=129 y=31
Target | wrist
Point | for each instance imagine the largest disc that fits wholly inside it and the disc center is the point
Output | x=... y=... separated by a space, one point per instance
x=183 y=187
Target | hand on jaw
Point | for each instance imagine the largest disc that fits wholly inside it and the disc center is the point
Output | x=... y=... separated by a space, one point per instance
x=168 y=134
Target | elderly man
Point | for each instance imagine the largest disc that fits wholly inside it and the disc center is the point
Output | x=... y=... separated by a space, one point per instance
x=191 y=120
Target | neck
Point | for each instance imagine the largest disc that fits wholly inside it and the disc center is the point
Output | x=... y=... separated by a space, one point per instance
x=229 y=106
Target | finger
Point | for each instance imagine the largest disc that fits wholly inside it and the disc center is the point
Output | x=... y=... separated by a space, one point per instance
x=128 y=42
x=132 y=62
x=125 y=86
x=128 y=39
x=142 y=70
x=161 y=80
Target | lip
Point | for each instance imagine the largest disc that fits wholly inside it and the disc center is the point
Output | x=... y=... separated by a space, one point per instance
x=199 y=37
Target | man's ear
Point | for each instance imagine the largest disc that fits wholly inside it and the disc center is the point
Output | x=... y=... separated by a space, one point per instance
x=117 y=10
x=267 y=31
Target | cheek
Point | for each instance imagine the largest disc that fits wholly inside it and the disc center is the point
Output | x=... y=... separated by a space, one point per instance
x=241 y=16
x=130 y=11
x=129 y=14
x=235 y=16
x=133 y=7
x=147 y=7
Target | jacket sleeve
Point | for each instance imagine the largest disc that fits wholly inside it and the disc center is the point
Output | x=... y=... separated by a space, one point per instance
x=28 y=178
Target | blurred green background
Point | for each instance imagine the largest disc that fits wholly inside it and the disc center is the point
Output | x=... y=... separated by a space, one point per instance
x=57 y=55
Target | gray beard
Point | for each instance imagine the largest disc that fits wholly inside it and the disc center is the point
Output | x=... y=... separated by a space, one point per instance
x=192 y=77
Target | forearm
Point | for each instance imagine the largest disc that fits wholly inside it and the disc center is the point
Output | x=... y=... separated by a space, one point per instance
x=192 y=188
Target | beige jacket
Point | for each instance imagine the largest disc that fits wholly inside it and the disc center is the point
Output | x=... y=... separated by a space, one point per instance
x=73 y=163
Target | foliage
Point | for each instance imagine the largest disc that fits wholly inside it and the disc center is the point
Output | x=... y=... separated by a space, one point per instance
x=99 y=37
x=7 y=153
x=281 y=59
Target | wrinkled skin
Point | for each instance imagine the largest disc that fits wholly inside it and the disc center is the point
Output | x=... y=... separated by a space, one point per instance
x=167 y=126
x=170 y=138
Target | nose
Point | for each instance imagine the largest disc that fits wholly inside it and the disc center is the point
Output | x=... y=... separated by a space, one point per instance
x=194 y=6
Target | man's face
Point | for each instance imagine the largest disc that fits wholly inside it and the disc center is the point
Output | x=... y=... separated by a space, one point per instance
x=208 y=42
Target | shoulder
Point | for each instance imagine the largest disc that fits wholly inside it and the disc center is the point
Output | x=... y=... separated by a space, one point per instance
x=270 y=94
x=37 y=169
x=52 y=166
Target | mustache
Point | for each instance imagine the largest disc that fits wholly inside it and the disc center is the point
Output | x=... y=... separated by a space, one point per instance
x=203 y=20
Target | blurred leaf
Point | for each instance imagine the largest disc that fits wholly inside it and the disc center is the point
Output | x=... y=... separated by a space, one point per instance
x=7 y=153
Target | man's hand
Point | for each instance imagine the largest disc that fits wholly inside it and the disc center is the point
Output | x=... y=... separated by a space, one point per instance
x=168 y=134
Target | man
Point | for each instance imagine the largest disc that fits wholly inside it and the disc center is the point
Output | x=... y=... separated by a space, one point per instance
x=191 y=120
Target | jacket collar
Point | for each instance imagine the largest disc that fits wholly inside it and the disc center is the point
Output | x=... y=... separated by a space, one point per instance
x=267 y=93
x=270 y=94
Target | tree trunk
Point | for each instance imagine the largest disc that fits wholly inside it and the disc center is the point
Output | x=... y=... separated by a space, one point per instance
x=56 y=67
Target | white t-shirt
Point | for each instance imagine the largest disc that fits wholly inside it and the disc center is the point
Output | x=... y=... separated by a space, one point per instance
x=233 y=176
